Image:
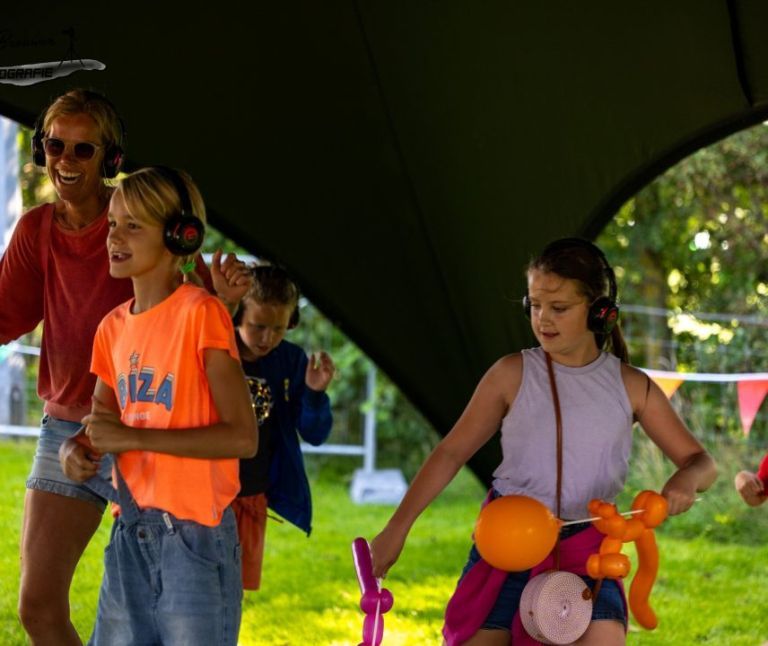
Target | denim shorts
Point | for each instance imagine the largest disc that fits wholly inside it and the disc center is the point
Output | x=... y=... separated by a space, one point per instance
x=608 y=605
x=170 y=581
x=46 y=474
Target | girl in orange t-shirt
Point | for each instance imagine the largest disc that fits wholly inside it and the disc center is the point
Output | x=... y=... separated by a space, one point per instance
x=172 y=404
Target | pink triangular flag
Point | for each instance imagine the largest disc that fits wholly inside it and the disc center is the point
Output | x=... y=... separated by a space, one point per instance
x=751 y=395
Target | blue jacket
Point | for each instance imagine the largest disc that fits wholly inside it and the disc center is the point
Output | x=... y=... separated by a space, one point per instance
x=297 y=411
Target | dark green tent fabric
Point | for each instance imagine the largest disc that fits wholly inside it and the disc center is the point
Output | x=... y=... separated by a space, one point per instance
x=405 y=158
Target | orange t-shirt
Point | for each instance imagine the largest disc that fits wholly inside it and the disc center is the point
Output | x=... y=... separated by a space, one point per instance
x=154 y=363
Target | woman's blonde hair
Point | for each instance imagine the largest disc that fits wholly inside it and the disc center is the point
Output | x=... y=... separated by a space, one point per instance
x=93 y=104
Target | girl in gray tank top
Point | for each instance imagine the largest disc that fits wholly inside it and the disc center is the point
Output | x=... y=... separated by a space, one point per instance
x=597 y=434
x=571 y=303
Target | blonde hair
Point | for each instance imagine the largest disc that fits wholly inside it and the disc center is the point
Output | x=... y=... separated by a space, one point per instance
x=151 y=195
x=96 y=106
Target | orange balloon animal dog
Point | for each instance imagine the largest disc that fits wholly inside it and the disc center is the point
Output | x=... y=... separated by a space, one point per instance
x=651 y=510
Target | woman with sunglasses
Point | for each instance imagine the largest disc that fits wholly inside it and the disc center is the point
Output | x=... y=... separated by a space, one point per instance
x=56 y=269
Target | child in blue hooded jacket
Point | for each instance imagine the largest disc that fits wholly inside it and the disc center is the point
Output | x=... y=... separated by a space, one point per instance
x=289 y=398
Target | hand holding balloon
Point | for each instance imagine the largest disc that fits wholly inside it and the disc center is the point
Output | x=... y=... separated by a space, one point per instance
x=375 y=600
x=680 y=491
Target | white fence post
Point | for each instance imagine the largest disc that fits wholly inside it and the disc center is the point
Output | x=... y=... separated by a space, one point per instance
x=369 y=430
x=369 y=485
x=13 y=379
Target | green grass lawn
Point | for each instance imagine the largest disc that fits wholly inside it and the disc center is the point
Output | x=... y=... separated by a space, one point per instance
x=709 y=590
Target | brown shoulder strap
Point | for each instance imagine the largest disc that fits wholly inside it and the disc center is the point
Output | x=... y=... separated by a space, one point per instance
x=559 y=425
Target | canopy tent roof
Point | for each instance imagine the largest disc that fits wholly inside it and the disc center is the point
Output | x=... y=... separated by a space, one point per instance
x=404 y=159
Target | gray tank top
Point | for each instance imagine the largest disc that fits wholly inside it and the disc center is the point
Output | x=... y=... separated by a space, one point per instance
x=597 y=434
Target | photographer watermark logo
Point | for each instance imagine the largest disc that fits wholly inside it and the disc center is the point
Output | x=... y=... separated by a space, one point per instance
x=32 y=73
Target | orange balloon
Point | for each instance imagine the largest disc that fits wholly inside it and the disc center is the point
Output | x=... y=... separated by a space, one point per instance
x=614 y=566
x=654 y=506
x=514 y=533
x=640 y=590
x=609 y=562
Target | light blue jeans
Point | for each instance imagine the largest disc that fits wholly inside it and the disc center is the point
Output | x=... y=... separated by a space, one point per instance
x=46 y=473
x=169 y=581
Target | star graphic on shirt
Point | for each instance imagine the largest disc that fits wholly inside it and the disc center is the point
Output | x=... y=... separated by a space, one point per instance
x=134 y=359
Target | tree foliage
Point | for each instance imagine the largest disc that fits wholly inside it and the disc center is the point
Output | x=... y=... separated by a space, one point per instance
x=695 y=241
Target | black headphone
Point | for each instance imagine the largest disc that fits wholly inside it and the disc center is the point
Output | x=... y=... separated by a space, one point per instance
x=183 y=232
x=604 y=311
x=113 y=154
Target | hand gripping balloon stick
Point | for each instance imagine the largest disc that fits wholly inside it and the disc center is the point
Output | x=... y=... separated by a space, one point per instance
x=375 y=600
x=651 y=510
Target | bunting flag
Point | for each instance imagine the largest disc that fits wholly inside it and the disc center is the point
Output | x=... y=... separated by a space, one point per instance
x=667 y=385
x=751 y=387
x=751 y=395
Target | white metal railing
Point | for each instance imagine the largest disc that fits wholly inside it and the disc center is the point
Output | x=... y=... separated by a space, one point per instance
x=368 y=447
x=15 y=346
x=14 y=430
x=11 y=430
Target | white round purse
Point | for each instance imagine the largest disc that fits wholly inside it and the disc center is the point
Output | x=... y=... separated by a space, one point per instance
x=556 y=607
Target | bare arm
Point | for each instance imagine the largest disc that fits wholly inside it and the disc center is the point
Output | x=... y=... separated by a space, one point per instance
x=477 y=424
x=235 y=435
x=696 y=469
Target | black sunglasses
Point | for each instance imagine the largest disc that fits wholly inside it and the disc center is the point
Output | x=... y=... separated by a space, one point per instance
x=54 y=147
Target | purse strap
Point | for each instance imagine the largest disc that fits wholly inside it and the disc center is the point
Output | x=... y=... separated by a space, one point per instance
x=559 y=424
x=559 y=428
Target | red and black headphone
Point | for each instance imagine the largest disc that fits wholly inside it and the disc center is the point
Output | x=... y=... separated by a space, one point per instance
x=183 y=232
x=604 y=311
x=114 y=154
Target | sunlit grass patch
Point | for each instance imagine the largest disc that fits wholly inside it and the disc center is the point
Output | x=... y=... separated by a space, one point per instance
x=709 y=591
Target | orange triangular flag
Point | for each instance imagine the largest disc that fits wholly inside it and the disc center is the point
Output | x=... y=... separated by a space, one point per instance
x=668 y=385
x=751 y=395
